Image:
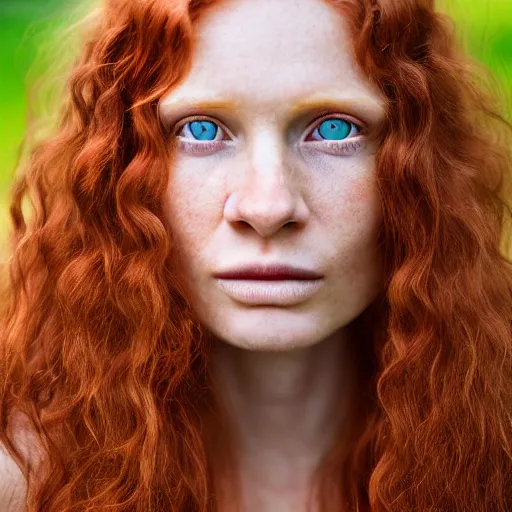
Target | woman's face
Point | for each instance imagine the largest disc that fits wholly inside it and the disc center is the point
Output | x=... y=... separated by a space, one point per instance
x=276 y=167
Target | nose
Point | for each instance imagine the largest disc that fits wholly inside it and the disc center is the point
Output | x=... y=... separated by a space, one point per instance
x=268 y=197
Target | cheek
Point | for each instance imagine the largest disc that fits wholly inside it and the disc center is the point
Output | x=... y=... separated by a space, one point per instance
x=362 y=198
x=186 y=207
x=364 y=214
x=350 y=215
x=344 y=183
x=360 y=254
x=346 y=198
x=362 y=191
x=193 y=195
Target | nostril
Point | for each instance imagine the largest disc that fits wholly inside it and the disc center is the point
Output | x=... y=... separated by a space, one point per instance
x=242 y=224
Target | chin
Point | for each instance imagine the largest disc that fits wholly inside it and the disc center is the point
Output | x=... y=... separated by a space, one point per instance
x=271 y=328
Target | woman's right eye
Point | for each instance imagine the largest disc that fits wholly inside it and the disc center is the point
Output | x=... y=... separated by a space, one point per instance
x=200 y=136
x=202 y=129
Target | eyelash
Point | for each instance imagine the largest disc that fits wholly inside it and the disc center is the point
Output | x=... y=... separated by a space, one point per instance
x=347 y=147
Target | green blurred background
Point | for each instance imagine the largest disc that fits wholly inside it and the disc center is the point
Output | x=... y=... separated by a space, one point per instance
x=484 y=26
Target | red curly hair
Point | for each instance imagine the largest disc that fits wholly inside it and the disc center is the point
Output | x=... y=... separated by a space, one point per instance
x=103 y=359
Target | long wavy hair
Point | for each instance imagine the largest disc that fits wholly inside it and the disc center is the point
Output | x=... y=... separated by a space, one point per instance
x=104 y=361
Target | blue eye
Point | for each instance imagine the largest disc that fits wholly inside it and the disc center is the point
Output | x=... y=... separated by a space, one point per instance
x=334 y=129
x=203 y=130
x=204 y=136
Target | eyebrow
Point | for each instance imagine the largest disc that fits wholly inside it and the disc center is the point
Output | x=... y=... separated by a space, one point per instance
x=169 y=107
x=367 y=106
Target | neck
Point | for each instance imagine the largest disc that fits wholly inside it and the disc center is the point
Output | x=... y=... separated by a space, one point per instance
x=287 y=408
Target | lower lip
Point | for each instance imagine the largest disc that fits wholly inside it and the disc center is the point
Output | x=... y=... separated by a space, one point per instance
x=279 y=293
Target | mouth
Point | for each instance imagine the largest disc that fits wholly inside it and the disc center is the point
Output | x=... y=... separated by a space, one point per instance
x=268 y=272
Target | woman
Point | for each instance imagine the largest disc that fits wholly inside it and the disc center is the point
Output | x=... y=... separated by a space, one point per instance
x=264 y=269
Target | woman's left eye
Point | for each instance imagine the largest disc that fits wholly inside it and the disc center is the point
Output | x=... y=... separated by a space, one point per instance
x=334 y=129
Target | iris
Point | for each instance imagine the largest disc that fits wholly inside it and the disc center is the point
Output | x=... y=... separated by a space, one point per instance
x=334 y=129
x=203 y=130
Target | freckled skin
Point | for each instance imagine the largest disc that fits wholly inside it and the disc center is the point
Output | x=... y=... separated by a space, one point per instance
x=249 y=53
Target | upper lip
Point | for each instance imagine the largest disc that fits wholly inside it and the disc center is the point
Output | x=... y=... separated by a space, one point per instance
x=270 y=271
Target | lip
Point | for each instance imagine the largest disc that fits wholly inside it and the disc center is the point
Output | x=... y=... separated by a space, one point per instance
x=279 y=292
x=268 y=272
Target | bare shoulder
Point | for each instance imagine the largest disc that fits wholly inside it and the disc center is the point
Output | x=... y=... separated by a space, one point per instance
x=12 y=484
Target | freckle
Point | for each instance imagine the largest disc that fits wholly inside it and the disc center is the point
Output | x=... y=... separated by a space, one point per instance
x=361 y=190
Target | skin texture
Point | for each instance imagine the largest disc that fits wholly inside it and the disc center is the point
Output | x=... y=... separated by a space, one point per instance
x=272 y=192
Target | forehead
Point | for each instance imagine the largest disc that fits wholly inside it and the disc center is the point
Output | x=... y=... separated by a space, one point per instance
x=272 y=51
